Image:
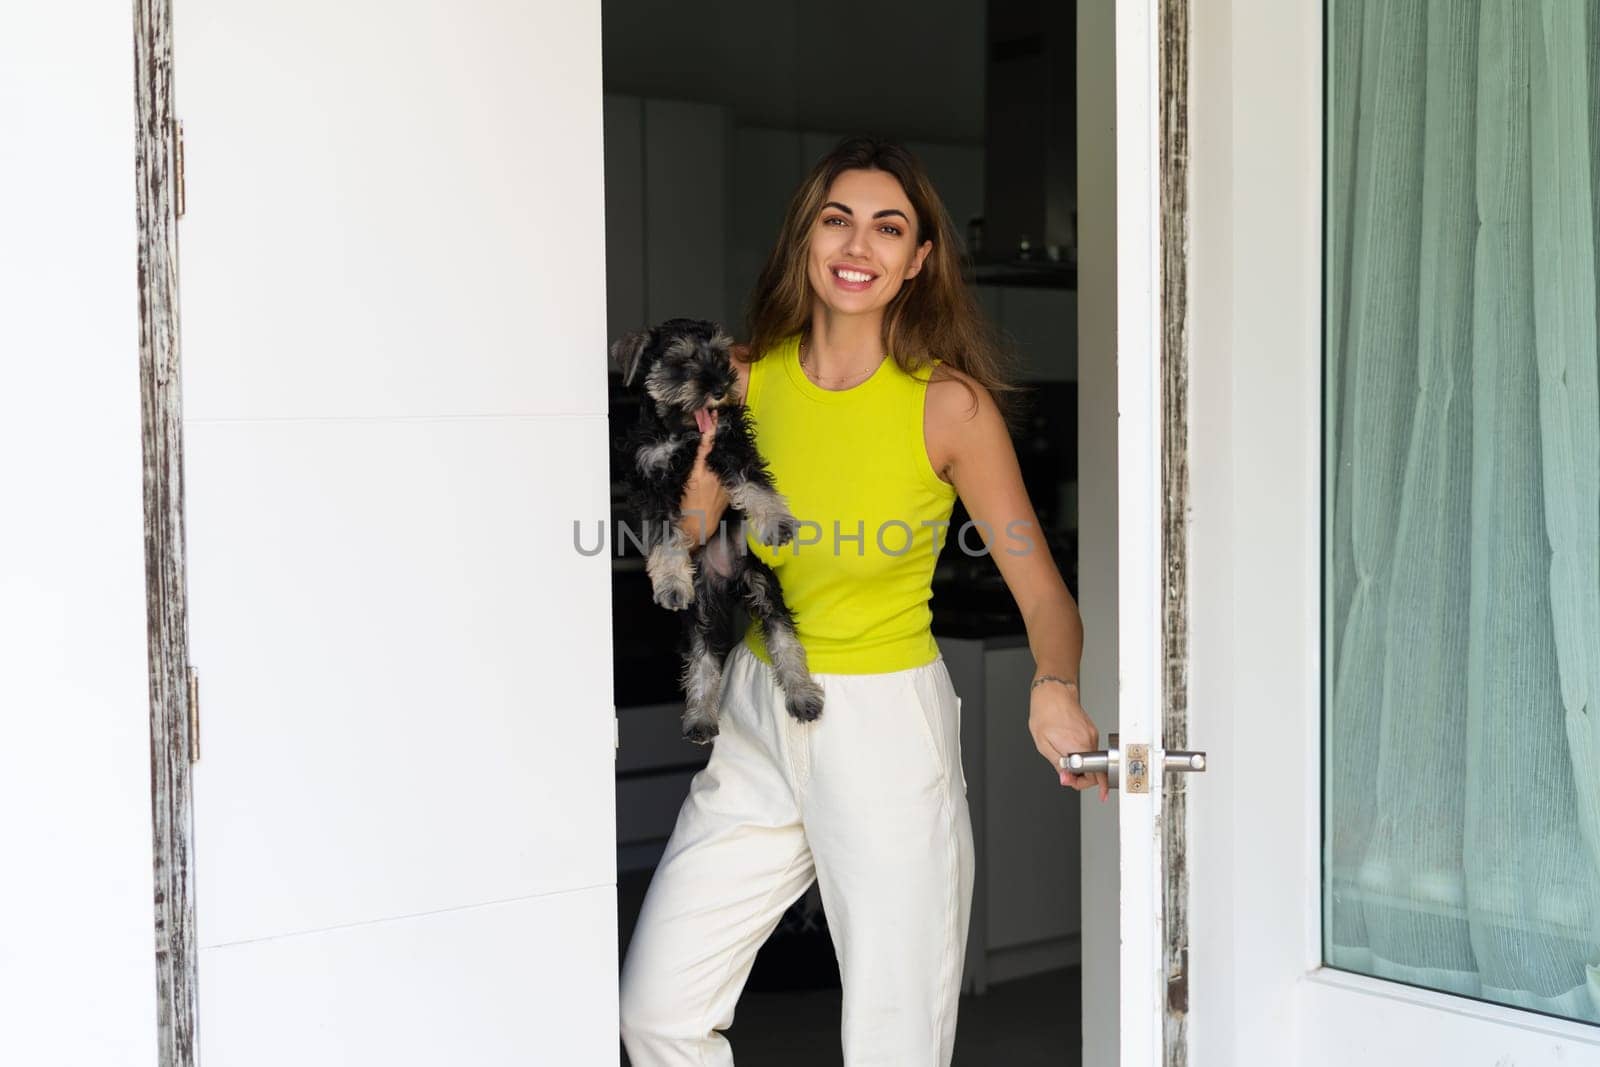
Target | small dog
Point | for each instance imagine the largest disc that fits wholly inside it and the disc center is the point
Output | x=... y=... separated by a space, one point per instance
x=690 y=372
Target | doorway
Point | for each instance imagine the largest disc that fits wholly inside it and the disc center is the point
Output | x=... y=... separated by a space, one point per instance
x=986 y=96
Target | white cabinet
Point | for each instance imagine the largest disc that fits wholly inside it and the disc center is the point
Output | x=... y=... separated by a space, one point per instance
x=655 y=766
x=1024 y=823
x=666 y=203
x=1043 y=322
x=685 y=209
x=624 y=149
x=768 y=165
x=957 y=173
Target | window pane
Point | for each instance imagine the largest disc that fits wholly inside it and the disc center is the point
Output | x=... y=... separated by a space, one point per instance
x=1462 y=498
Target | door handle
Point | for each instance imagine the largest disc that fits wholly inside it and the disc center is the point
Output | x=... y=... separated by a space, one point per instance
x=1180 y=760
x=1109 y=761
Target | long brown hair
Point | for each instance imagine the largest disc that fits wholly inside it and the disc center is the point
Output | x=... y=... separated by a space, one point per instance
x=934 y=314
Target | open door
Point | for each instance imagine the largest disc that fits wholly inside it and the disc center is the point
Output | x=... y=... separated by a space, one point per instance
x=1151 y=276
x=1134 y=1003
x=395 y=418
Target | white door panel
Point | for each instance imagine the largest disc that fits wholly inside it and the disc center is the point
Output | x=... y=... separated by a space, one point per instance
x=518 y=982
x=405 y=668
x=393 y=209
x=395 y=409
x=77 y=966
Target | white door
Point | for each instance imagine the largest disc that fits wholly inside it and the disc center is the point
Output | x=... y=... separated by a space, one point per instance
x=395 y=413
x=1393 y=858
x=1120 y=562
x=1137 y=756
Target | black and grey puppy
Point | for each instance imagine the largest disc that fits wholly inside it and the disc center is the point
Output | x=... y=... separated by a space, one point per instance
x=688 y=373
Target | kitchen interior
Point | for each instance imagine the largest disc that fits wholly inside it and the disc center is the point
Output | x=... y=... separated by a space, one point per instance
x=714 y=112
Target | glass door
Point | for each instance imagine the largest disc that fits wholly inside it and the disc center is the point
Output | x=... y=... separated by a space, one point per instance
x=1395 y=533
x=1461 y=500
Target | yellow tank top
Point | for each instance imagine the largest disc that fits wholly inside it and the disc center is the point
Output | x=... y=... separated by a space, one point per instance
x=873 y=514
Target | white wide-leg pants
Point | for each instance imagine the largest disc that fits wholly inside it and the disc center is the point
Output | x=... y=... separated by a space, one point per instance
x=870 y=801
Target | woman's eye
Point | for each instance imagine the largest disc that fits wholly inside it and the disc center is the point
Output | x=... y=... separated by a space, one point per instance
x=892 y=229
x=832 y=218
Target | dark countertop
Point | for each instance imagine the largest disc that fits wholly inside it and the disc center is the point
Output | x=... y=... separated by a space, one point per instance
x=1010 y=639
x=986 y=622
x=1035 y=273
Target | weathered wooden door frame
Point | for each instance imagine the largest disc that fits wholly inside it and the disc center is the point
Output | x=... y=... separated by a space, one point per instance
x=158 y=184
x=1173 y=160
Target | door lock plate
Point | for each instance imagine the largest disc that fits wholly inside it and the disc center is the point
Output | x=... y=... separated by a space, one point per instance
x=1136 y=769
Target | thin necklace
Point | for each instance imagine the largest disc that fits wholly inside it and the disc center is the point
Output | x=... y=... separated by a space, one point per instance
x=835 y=381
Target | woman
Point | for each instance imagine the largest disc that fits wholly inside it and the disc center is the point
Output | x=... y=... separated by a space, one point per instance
x=872 y=391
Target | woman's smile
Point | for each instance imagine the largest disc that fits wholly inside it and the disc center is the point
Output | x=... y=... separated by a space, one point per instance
x=852 y=278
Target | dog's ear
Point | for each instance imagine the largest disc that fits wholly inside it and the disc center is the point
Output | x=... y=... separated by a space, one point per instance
x=626 y=353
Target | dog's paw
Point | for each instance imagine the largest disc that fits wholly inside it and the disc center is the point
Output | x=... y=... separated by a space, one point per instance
x=805 y=703
x=778 y=531
x=699 y=733
x=674 y=592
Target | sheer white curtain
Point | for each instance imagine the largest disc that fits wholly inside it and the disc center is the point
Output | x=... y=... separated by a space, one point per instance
x=1462 y=497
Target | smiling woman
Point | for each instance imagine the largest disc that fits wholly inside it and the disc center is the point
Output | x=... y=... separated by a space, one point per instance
x=864 y=223
x=876 y=392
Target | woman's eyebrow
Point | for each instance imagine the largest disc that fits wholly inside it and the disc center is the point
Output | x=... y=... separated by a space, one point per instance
x=876 y=214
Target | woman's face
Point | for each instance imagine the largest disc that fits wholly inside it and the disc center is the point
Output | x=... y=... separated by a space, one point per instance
x=863 y=243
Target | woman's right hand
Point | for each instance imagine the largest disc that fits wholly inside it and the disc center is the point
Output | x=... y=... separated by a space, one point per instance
x=704 y=499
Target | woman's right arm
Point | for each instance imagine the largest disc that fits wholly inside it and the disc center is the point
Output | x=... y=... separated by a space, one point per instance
x=704 y=499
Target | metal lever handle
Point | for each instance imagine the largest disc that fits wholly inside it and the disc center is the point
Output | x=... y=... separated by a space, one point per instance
x=1109 y=761
x=1177 y=760
x=1094 y=762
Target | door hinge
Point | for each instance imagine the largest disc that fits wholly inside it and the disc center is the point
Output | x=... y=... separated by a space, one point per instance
x=194 y=715
x=1178 y=986
x=616 y=733
x=182 y=192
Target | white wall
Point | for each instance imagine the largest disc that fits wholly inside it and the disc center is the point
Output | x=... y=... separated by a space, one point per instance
x=1221 y=1028
x=393 y=280
x=1097 y=506
x=77 y=965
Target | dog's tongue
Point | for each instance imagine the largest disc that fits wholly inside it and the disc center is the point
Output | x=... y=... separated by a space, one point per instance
x=702 y=419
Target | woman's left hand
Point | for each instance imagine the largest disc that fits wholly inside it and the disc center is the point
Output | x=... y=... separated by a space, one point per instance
x=1060 y=726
